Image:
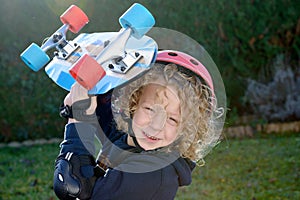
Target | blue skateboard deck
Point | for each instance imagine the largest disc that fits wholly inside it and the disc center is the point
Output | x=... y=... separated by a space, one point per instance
x=92 y=44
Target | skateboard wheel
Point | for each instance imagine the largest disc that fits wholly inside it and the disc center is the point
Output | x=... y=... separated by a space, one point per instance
x=139 y=19
x=87 y=71
x=75 y=18
x=34 y=57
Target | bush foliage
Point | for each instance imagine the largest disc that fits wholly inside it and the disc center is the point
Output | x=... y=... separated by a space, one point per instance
x=278 y=99
x=243 y=37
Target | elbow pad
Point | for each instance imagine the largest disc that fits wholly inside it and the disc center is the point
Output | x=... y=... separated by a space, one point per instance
x=74 y=176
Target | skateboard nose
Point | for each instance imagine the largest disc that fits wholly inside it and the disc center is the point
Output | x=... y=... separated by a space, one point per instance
x=158 y=117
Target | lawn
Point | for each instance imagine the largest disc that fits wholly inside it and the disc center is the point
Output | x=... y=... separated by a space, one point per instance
x=256 y=168
x=260 y=168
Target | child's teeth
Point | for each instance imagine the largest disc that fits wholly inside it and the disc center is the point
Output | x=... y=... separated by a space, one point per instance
x=151 y=137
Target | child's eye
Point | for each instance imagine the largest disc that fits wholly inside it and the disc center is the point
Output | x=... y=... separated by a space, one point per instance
x=172 y=121
x=148 y=109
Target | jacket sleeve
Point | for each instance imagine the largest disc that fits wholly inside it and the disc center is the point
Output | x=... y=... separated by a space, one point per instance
x=106 y=120
x=104 y=112
x=78 y=138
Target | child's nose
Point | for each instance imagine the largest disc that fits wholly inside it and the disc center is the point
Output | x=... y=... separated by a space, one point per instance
x=159 y=118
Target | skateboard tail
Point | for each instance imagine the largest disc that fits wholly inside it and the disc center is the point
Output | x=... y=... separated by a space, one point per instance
x=60 y=76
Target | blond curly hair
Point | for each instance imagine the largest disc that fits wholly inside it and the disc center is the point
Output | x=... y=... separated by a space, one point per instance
x=196 y=133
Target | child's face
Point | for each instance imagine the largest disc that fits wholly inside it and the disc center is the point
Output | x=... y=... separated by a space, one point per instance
x=157 y=117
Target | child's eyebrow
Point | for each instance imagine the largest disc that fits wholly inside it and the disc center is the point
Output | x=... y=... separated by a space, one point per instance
x=174 y=114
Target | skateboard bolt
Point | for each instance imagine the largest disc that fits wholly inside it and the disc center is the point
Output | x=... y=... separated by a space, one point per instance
x=56 y=37
x=123 y=69
x=119 y=59
x=106 y=43
x=110 y=66
x=136 y=54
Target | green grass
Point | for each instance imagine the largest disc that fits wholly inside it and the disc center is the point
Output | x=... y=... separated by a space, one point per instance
x=260 y=168
x=26 y=173
x=257 y=168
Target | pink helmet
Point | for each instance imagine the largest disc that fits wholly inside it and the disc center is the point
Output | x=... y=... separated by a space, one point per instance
x=188 y=62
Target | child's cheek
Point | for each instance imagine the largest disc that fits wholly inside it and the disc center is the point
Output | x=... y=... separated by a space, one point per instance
x=171 y=133
x=140 y=118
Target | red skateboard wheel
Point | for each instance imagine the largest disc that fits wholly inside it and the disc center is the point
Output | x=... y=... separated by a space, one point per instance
x=75 y=18
x=87 y=71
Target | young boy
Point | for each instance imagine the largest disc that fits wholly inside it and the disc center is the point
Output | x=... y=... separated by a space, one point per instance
x=152 y=132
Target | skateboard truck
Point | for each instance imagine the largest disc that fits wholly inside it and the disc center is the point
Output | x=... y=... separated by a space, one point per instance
x=59 y=41
x=73 y=19
x=124 y=64
x=120 y=60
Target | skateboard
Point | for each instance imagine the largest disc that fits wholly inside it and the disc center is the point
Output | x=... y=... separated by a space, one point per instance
x=97 y=61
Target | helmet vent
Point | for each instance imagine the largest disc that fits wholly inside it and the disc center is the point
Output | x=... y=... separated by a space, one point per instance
x=194 y=62
x=172 y=54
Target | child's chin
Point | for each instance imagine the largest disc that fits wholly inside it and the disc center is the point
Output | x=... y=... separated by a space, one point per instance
x=148 y=146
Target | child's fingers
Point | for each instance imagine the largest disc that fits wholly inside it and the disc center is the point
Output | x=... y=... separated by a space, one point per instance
x=68 y=100
x=93 y=106
x=78 y=93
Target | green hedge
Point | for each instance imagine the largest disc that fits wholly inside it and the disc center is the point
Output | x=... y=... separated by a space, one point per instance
x=243 y=37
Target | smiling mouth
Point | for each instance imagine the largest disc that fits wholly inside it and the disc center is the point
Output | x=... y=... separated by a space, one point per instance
x=151 y=137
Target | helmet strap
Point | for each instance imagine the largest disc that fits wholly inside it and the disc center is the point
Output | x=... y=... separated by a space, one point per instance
x=131 y=134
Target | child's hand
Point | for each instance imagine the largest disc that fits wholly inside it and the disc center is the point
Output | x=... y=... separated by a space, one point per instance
x=79 y=99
